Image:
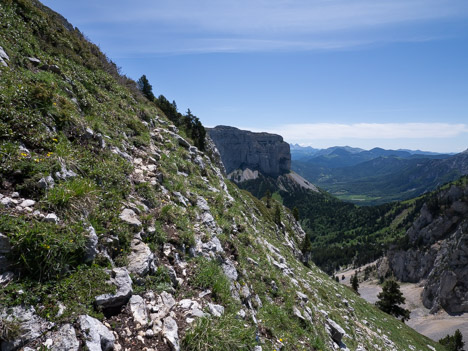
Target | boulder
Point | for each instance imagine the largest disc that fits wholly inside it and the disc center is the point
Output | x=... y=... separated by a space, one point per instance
x=141 y=259
x=170 y=333
x=64 y=339
x=34 y=61
x=121 y=279
x=139 y=311
x=31 y=326
x=92 y=240
x=46 y=182
x=28 y=203
x=335 y=331
x=51 y=218
x=215 y=310
x=96 y=336
x=129 y=216
x=230 y=270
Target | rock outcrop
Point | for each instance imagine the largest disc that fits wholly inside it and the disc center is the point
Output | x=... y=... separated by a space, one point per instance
x=241 y=149
x=438 y=252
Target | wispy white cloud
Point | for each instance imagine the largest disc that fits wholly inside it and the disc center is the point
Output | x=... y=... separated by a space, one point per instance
x=306 y=133
x=178 y=26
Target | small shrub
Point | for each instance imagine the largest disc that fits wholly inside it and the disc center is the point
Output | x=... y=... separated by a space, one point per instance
x=9 y=329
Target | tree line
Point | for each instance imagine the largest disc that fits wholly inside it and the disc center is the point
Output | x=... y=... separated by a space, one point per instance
x=188 y=122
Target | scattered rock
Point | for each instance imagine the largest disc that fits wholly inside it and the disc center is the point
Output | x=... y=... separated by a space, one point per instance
x=130 y=217
x=97 y=336
x=230 y=270
x=170 y=333
x=6 y=277
x=64 y=339
x=167 y=300
x=65 y=173
x=46 y=182
x=28 y=203
x=182 y=142
x=51 y=218
x=202 y=204
x=91 y=245
x=138 y=308
x=51 y=68
x=141 y=259
x=3 y=57
x=31 y=326
x=7 y=202
x=35 y=61
x=335 y=331
x=216 y=310
x=302 y=296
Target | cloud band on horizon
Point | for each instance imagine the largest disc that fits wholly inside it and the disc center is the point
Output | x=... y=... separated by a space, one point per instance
x=306 y=132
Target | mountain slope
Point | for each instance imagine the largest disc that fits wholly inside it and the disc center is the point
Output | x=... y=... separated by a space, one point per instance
x=117 y=233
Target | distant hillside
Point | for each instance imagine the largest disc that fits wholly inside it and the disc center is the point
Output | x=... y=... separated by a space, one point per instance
x=389 y=177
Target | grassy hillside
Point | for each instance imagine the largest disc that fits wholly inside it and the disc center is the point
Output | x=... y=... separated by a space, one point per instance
x=104 y=200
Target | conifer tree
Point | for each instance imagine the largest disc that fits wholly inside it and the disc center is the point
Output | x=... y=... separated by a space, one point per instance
x=295 y=213
x=355 y=282
x=453 y=342
x=277 y=215
x=268 y=198
x=145 y=87
x=390 y=298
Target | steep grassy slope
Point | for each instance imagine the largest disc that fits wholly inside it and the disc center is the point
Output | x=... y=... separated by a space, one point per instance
x=108 y=211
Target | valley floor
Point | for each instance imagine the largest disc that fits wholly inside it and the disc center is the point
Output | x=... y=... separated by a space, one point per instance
x=434 y=326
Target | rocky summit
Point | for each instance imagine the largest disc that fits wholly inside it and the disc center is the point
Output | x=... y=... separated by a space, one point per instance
x=241 y=149
x=118 y=233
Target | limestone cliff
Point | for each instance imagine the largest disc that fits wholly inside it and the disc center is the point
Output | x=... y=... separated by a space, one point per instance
x=241 y=149
x=437 y=250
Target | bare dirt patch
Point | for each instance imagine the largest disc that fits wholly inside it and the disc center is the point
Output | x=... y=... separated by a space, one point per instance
x=434 y=326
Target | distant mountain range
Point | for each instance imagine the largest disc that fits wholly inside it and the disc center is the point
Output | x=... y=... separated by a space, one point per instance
x=376 y=176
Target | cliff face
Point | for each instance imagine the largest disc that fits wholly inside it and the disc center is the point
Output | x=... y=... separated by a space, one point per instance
x=438 y=251
x=241 y=149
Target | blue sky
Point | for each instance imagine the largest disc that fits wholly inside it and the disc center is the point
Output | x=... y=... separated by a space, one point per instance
x=364 y=73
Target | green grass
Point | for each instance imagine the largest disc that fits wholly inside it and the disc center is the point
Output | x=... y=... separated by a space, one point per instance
x=227 y=333
x=43 y=251
x=209 y=275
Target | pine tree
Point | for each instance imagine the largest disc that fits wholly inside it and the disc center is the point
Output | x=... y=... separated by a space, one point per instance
x=145 y=87
x=277 y=215
x=268 y=198
x=390 y=298
x=355 y=282
x=453 y=342
x=295 y=213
